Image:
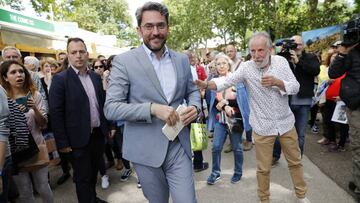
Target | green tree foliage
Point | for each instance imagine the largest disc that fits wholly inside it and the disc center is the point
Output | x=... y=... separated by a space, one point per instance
x=190 y=22
x=357 y=6
x=14 y=4
x=107 y=16
x=193 y=21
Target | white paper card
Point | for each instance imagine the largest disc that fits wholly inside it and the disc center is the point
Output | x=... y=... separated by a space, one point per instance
x=339 y=114
x=171 y=132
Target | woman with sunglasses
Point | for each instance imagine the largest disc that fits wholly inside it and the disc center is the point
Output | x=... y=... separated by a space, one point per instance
x=99 y=67
x=17 y=82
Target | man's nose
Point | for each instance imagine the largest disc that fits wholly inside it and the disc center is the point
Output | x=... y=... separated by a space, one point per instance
x=155 y=30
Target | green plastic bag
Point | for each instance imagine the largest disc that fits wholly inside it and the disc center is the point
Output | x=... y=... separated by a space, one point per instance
x=198 y=136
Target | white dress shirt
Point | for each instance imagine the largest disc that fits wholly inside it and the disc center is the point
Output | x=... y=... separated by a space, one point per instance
x=193 y=72
x=165 y=71
x=270 y=113
x=90 y=92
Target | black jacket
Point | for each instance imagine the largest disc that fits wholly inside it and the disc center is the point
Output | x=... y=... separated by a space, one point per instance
x=349 y=64
x=70 y=109
x=305 y=71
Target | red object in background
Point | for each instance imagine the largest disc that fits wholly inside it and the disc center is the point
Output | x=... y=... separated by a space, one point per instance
x=334 y=89
x=200 y=70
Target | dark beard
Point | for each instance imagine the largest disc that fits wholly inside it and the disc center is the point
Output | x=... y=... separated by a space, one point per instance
x=156 y=50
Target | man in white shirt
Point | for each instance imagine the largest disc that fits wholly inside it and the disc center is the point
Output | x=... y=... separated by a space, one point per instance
x=269 y=81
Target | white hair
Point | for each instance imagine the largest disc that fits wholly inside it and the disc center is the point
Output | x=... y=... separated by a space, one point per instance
x=228 y=60
x=32 y=60
x=264 y=34
x=9 y=48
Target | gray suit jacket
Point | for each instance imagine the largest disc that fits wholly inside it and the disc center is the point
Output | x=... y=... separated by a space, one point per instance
x=133 y=86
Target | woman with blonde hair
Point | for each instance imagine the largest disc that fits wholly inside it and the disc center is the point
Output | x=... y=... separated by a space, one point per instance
x=48 y=67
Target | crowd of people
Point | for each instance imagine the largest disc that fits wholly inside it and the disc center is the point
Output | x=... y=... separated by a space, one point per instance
x=103 y=112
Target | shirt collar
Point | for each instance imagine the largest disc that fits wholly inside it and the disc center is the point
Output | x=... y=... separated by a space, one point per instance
x=151 y=54
x=77 y=70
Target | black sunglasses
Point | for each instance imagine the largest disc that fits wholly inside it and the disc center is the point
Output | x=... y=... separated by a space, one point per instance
x=96 y=67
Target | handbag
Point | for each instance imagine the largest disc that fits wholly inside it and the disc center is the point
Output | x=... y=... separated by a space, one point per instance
x=22 y=143
x=36 y=162
x=350 y=92
x=52 y=150
x=198 y=136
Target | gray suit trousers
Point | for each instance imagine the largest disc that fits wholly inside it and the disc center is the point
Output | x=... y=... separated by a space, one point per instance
x=175 y=175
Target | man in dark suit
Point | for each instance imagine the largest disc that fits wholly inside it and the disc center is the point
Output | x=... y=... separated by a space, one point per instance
x=76 y=100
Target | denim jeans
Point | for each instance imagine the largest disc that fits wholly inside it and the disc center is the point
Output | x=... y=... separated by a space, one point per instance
x=301 y=113
x=38 y=178
x=221 y=130
x=249 y=135
x=6 y=173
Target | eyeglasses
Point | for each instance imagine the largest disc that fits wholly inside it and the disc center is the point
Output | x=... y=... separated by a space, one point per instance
x=150 y=26
x=96 y=67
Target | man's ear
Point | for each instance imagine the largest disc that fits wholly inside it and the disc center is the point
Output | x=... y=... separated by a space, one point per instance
x=138 y=30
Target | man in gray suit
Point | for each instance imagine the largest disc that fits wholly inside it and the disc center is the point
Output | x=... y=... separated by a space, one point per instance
x=146 y=85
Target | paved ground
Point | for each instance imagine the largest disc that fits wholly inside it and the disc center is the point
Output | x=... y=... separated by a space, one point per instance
x=336 y=165
x=321 y=188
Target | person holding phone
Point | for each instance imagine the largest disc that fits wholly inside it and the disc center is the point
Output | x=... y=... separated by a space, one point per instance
x=17 y=82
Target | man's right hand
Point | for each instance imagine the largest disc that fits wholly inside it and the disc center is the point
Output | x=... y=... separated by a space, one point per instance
x=165 y=113
x=201 y=84
x=65 y=150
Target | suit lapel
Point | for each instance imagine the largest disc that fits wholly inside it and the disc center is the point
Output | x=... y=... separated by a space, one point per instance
x=176 y=62
x=74 y=77
x=146 y=64
x=96 y=85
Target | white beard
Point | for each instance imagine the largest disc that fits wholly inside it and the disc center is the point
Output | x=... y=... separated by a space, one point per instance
x=264 y=62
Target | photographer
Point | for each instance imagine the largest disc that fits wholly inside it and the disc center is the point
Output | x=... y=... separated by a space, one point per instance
x=305 y=67
x=348 y=61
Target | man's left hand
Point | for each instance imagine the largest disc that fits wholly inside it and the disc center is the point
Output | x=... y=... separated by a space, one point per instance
x=188 y=115
x=269 y=81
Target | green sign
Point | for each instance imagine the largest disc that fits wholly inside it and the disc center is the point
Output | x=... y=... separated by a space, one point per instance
x=11 y=17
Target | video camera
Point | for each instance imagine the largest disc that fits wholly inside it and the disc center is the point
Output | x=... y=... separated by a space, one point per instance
x=287 y=45
x=351 y=32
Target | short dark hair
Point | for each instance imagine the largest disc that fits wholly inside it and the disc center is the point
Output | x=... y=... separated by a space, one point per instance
x=109 y=61
x=74 y=39
x=100 y=56
x=151 y=6
x=61 y=53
